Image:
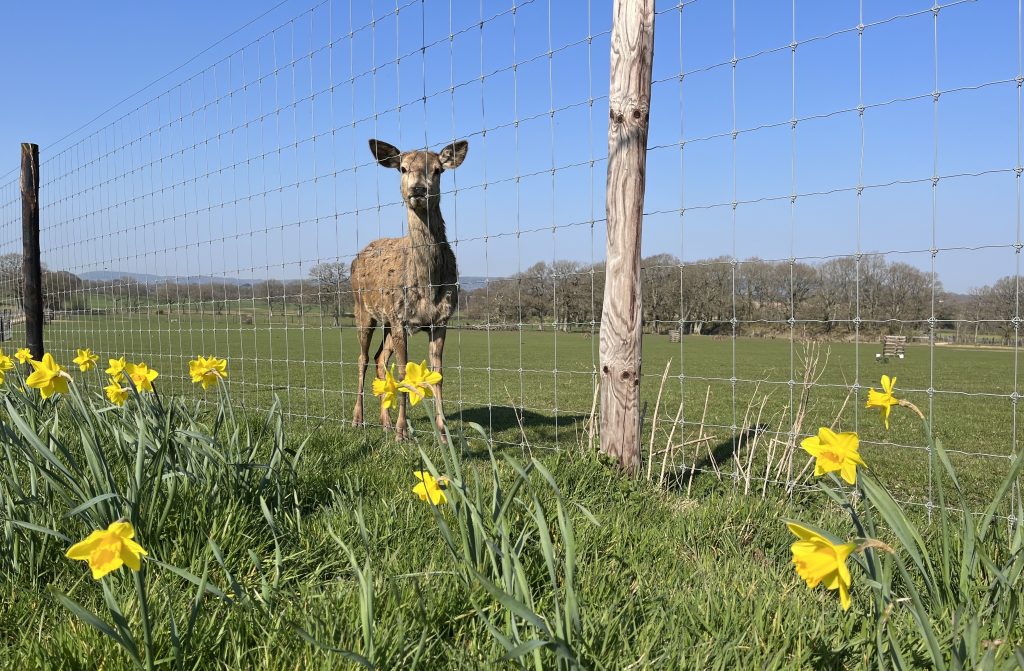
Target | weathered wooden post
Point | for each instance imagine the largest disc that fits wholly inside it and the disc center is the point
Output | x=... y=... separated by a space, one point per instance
x=32 y=272
x=629 y=97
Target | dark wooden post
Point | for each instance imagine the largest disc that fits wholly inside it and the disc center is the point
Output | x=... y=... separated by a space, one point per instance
x=32 y=271
x=629 y=97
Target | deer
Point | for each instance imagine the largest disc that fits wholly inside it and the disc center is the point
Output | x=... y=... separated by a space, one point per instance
x=407 y=284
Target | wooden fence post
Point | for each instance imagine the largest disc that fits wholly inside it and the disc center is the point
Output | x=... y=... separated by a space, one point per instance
x=32 y=272
x=629 y=97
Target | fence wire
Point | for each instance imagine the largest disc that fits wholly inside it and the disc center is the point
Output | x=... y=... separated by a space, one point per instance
x=816 y=174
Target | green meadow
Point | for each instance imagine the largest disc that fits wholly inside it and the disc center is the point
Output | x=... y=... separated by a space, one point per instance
x=535 y=388
x=336 y=564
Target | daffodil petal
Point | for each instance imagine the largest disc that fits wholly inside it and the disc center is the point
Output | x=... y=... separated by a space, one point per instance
x=82 y=549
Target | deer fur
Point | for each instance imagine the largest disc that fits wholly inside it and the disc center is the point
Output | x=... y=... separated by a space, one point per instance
x=407 y=284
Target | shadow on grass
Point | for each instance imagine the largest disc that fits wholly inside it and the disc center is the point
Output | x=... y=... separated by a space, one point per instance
x=714 y=460
x=503 y=423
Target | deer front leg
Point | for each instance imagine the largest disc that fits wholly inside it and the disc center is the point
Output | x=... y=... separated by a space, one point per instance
x=381 y=359
x=364 y=334
x=437 y=335
x=398 y=344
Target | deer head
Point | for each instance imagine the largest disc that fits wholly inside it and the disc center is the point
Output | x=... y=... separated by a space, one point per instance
x=421 y=170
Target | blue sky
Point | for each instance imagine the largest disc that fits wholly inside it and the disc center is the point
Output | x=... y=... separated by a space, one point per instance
x=251 y=161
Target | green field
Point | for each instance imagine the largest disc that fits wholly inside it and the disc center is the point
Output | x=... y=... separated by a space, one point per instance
x=547 y=379
x=696 y=575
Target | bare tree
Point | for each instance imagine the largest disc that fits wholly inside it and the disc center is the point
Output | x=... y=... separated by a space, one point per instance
x=333 y=290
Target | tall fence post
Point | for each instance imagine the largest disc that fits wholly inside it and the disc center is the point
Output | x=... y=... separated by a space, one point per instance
x=32 y=272
x=629 y=98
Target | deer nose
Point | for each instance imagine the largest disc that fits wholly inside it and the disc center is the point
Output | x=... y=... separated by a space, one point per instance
x=418 y=191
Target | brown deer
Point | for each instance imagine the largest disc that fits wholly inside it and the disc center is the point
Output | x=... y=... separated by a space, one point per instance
x=407 y=284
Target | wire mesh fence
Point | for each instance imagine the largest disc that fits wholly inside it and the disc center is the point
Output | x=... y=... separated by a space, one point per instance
x=815 y=174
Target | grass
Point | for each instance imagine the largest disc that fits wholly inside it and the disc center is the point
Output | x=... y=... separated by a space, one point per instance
x=666 y=581
x=698 y=578
x=545 y=381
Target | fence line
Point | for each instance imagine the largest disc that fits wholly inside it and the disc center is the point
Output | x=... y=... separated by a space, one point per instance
x=799 y=179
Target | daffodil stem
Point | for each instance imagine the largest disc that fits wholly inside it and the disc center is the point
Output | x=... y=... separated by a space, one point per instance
x=147 y=628
x=904 y=403
x=874 y=543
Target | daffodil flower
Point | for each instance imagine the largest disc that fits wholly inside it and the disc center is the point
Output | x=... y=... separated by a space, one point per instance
x=117 y=366
x=5 y=365
x=386 y=389
x=115 y=392
x=86 y=360
x=834 y=452
x=418 y=380
x=109 y=550
x=49 y=378
x=23 y=355
x=142 y=376
x=819 y=561
x=883 y=400
x=430 y=489
x=207 y=370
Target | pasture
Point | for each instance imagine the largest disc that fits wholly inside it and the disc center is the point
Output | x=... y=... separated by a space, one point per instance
x=667 y=578
x=535 y=388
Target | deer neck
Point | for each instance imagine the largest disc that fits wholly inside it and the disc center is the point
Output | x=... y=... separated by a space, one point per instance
x=428 y=242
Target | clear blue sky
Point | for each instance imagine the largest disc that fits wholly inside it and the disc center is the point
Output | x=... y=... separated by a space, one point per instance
x=255 y=186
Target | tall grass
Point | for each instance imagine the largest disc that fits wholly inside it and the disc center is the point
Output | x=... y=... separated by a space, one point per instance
x=267 y=551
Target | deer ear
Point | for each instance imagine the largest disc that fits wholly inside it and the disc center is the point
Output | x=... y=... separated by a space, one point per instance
x=454 y=154
x=386 y=154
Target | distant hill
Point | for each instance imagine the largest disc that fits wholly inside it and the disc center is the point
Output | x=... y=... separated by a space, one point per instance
x=467 y=282
x=146 y=278
x=473 y=282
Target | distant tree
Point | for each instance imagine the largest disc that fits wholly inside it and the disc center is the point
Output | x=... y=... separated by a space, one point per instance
x=1004 y=306
x=62 y=291
x=271 y=291
x=906 y=295
x=571 y=294
x=660 y=287
x=706 y=297
x=332 y=288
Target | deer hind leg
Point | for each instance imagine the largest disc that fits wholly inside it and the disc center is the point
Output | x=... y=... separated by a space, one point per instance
x=399 y=344
x=365 y=335
x=437 y=334
x=381 y=360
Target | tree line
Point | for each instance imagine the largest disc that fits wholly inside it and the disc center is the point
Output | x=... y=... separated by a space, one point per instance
x=836 y=298
x=710 y=296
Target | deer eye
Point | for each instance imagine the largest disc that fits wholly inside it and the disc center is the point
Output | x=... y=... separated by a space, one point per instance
x=403 y=169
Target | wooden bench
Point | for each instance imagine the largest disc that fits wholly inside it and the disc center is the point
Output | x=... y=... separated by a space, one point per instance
x=892 y=346
x=673 y=335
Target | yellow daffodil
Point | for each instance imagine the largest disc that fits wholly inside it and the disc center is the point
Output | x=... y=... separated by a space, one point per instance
x=109 y=550
x=23 y=355
x=207 y=370
x=883 y=400
x=86 y=360
x=117 y=366
x=5 y=365
x=417 y=381
x=48 y=377
x=115 y=392
x=142 y=376
x=430 y=489
x=834 y=452
x=818 y=560
x=386 y=389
